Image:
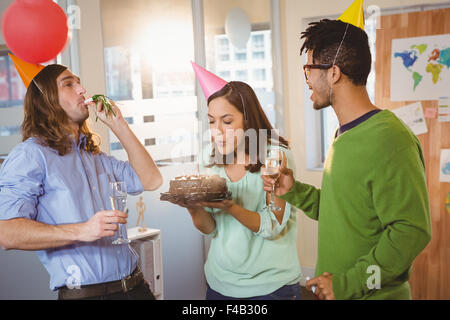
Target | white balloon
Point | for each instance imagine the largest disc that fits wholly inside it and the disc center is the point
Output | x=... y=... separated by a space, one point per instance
x=238 y=28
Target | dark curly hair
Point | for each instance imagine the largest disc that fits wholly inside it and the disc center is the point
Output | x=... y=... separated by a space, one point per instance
x=354 y=58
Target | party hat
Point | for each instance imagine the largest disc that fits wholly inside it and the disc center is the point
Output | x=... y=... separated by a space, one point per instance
x=209 y=82
x=26 y=70
x=354 y=14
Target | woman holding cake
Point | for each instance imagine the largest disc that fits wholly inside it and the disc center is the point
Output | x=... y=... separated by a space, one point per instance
x=253 y=252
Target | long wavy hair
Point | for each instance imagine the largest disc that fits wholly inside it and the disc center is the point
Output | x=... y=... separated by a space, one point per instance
x=244 y=99
x=46 y=120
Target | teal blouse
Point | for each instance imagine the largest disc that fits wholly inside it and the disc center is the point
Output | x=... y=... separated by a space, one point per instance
x=242 y=263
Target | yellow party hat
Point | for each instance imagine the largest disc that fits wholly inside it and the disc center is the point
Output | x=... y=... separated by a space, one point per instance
x=354 y=14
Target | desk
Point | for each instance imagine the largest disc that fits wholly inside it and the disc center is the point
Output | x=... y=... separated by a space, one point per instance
x=134 y=234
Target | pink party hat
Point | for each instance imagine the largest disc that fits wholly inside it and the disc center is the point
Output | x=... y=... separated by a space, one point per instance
x=209 y=82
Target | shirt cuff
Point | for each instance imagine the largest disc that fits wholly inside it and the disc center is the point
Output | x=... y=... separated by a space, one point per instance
x=293 y=193
x=17 y=209
x=268 y=224
x=211 y=235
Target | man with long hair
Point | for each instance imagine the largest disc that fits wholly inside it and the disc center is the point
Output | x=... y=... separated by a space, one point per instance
x=54 y=191
x=373 y=207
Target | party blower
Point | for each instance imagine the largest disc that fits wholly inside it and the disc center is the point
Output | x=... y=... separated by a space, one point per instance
x=104 y=99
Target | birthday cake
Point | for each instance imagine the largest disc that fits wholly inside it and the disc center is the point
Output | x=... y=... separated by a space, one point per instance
x=197 y=188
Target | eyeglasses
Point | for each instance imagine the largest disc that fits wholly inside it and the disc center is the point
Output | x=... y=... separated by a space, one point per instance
x=307 y=67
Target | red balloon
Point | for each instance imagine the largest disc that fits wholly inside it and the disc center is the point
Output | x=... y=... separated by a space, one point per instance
x=35 y=30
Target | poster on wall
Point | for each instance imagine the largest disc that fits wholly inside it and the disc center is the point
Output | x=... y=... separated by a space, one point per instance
x=420 y=68
x=445 y=166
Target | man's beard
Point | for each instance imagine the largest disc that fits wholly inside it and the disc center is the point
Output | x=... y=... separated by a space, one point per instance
x=326 y=92
x=317 y=106
x=327 y=101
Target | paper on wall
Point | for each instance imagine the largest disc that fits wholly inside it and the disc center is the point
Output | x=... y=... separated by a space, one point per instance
x=444 y=110
x=444 y=175
x=413 y=116
x=430 y=113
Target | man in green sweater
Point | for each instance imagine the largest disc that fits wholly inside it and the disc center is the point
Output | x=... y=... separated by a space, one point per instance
x=372 y=208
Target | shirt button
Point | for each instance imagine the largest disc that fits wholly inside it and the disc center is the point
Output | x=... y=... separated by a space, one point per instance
x=94 y=188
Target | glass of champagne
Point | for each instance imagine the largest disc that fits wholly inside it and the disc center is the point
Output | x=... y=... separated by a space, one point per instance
x=272 y=169
x=118 y=197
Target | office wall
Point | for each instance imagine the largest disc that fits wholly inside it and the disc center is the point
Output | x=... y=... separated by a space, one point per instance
x=430 y=277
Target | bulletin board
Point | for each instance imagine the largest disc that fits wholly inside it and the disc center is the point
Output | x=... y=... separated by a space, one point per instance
x=430 y=278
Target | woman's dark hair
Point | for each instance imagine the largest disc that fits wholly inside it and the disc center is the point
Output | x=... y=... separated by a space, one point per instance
x=354 y=58
x=45 y=119
x=244 y=99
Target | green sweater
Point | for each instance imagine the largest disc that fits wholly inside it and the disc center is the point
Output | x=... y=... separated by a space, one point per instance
x=372 y=209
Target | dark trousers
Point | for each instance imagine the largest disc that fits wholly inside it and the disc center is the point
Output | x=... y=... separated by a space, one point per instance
x=288 y=292
x=140 y=292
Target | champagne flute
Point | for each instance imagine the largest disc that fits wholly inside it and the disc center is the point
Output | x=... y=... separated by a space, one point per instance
x=272 y=169
x=118 y=197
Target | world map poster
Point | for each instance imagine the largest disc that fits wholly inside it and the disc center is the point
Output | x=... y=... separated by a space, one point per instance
x=420 y=68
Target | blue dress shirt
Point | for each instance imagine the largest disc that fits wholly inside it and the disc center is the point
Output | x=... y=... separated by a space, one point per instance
x=37 y=183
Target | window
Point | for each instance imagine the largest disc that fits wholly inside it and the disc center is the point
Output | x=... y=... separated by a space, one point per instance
x=242 y=75
x=224 y=57
x=12 y=90
x=224 y=45
x=259 y=55
x=149 y=119
x=255 y=71
x=129 y=120
x=259 y=74
x=150 y=142
x=12 y=94
x=241 y=56
x=258 y=41
x=116 y=146
x=147 y=71
x=224 y=75
x=6 y=131
x=117 y=66
x=253 y=62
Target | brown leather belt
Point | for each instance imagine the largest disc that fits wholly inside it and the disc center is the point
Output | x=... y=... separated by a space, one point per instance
x=102 y=289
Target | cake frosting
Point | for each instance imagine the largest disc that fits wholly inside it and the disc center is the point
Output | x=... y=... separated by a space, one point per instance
x=198 y=184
